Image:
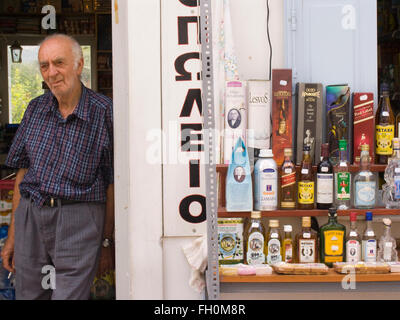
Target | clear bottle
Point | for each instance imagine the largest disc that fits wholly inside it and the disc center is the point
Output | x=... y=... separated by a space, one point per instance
x=342 y=179
x=274 y=248
x=306 y=182
x=288 y=182
x=255 y=240
x=391 y=189
x=369 y=245
x=287 y=245
x=365 y=182
x=353 y=241
x=324 y=180
x=307 y=243
x=387 y=244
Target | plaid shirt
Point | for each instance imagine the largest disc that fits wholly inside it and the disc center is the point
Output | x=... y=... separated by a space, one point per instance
x=66 y=158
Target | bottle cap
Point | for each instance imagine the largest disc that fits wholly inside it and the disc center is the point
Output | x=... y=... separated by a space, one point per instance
x=287 y=152
x=342 y=145
x=306 y=222
x=274 y=223
x=387 y=222
x=287 y=228
x=368 y=216
x=256 y=214
x=353 y=216
x=332 y=212
x=266 y=153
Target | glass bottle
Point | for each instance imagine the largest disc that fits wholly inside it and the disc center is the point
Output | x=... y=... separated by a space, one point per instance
x=384 y=127
x=255 y=242
x=387 y=244
x=307 y=243
x=332 y=235
x=324 y=180
x=353 y=241
x=365 y=182
x=274 y=251
x=391 y=189
x=288 y=182
x=342 y=179
x=306 y=182
x=369 y=240
x=287 y=245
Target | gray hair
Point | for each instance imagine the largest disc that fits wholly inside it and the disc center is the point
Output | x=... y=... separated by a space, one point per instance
x=76 y=47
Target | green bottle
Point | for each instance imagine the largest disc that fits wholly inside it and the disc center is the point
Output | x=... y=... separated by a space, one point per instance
x=332 y=242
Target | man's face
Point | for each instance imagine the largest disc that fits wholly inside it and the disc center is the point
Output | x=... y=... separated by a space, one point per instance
x=57 y=66
x=234 y=114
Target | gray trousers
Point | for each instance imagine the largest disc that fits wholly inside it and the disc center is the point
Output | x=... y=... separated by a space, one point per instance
x=57 y=250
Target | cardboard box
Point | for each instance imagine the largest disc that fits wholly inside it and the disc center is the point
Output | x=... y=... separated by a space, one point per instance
x=363 y=124
x=309 y=109
x=282 y=128
x=339 y=120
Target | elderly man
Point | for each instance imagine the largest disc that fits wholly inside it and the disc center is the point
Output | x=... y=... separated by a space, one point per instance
x=63 y=206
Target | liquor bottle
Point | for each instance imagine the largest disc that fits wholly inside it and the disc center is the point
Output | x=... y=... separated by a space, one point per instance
x=288 y=182
x=391 y=189
x=287 y=245
x=306 y=182
x=353 y=241
x=325 y=180
x=384 y=127
x=387 y=244
x=342 y=179
x=274 y=251
x=255 y=243
x=369 y=241
x=332 y=245
x=307 y=243
x=365 y=182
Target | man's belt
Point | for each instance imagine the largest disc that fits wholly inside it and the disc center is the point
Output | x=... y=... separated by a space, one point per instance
x=52 y=202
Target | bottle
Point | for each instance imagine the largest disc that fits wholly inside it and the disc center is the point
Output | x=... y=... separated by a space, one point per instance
x=384 y=127
x=307 y=243
x=324 y=180
x=342 y=179
x=274 y=251
x=265 y=182
x=391 y=189
x=365 y=182
x=255 y=242
x=306 y=182
x=332 y=235
x=353 y=241
x=287 y=245
x=369 y=241
x=288 y=182
x=387 y=244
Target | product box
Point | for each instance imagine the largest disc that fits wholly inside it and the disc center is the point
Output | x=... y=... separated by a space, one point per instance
x=230 y=240
x=339 y=120
x=259 y=114
x=309 y=110
x=363 y=124
x=282 y=128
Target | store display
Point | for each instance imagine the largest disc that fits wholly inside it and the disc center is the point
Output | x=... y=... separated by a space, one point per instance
x=339 y=117
x=363 y=125
x=309 y=111
x=255 y=240
x=391 y=189
x=287 y=244
x=384 y=127
x=332 y=240
x=307 y=243
x=230 y=240
x=265 y=182
x=300 y=268
x=387 y=244
x=365 y=182
x=361 y=267
x=274 y=241
x=305 y=187
x=282 y=130
x=288 y=193
x=369 y=245
x=239 y=187
x=259 y=114
x=324 y=180
x=342 y=179
x=353 y=241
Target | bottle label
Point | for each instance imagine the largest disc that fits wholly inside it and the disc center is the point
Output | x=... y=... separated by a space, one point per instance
x=383 y=138
x=306 y=251
x=397 y=187
x=274 y=251
x=255 y=248
x=306 y=192
x=288 y=255
x=324 y=187
x=288 y=179
x=343 y=185
x=353 y=251
x=268 y=186
x=334 y=243
x=369 y=250
x=365 y=193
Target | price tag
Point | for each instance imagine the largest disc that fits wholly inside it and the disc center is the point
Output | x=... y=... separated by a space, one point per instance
x=274 y=235
x=324 y=169
x=307 y=235
x=385 y=113
x=397 y=170
x=388 y=244
x=288 y=170
x=255 y=225
x=304 y=171
x=370 y=233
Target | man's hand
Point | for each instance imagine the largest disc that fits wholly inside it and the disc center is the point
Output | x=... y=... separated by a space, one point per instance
x=107 y=261
x=7 y=255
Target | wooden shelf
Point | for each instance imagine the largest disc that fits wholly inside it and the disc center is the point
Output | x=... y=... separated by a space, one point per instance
x=332 y=276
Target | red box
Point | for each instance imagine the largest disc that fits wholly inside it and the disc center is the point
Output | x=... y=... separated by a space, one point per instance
x=282 y=129
x=363 y=124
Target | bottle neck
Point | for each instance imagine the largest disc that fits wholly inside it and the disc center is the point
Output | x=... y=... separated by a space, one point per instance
x=364 y=161
x=387 y=231
x=352 y=225
x=369 y=224
x=332 y=219
x=343 y=155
